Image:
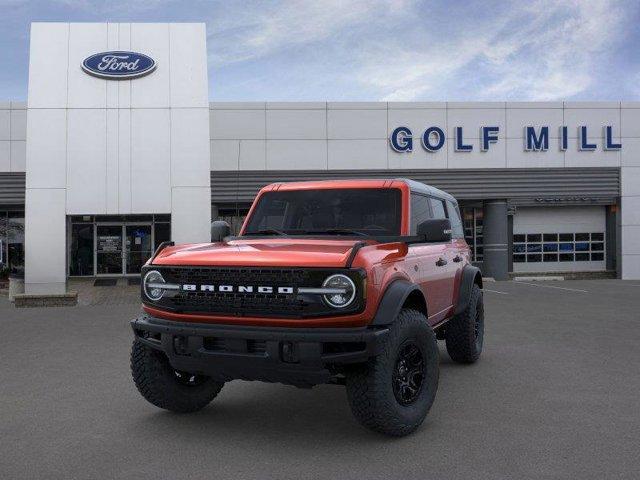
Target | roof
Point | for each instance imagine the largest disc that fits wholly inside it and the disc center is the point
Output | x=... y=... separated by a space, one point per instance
x=427 y=189
x=413 y=185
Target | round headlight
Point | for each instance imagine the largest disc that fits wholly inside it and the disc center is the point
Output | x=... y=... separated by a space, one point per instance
x=345 y=291
x=152 y=281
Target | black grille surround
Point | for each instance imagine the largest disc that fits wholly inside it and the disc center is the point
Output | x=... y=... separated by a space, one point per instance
x=242 y=304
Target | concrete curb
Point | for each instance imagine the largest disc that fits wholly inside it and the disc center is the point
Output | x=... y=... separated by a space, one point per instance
x=69 y=299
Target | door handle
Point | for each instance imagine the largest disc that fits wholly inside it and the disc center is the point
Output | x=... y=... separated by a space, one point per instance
x=441 y=262
x=457 y=258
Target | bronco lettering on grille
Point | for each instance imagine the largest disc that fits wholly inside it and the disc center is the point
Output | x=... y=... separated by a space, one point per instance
x=191 y=287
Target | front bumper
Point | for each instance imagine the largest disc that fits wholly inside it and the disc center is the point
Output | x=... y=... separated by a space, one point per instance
x=295 y=356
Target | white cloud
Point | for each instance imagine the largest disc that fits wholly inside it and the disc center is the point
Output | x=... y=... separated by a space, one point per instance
x=243 y=34
x=546 y=51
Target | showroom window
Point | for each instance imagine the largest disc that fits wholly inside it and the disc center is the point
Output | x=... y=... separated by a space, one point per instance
x=11 y=242
x=472 y=223
x=234 y=215
x=114 y=244
x=558 y=247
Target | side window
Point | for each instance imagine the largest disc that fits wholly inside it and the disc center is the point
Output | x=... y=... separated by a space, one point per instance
x=456 y=222
x=437 y=206
x=419 y=211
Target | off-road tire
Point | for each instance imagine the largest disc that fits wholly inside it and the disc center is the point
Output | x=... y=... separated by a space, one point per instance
x=464 y=334
x=159 y=384
x=370 y=388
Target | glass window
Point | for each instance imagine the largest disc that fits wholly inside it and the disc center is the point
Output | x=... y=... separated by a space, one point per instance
x=419 y=211
x=534 y=258
x=559 y=247
x=372 y=211
x=4 y=266
x=437 y=206
x=162 y=234
x=15 y=242
x=234 y=215
x=519 y=258
x=456 y=222
x=472 y=218
x=582 y=246
x=81 y=251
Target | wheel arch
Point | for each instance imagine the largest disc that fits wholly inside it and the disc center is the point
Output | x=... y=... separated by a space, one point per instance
x=470 y=276
x=398 y=295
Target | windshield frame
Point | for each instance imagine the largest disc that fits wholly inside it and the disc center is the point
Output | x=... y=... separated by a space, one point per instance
x=335 y=233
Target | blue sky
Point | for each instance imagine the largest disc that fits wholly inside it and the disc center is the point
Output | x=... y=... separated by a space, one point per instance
x=363 y=50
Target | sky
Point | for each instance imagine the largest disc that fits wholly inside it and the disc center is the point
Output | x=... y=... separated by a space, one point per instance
x=377 y=50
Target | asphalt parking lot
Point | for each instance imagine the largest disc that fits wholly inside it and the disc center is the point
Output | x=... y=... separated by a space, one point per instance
x=555 y=395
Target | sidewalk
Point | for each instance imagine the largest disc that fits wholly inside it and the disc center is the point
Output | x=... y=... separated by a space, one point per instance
x=121 y=294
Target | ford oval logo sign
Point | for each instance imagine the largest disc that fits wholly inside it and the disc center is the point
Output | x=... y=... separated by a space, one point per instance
x=118 y=65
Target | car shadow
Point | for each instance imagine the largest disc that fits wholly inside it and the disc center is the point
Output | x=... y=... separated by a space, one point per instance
x=272 y=412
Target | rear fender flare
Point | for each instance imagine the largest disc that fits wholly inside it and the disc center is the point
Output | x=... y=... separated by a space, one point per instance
x=392 y=301
x=470 y=275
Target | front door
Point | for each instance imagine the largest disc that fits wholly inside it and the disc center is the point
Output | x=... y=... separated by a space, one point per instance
x=109 y=250
x=122 y=249
x=138 y=247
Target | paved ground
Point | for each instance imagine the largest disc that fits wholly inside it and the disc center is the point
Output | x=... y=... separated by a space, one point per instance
x=556 y=395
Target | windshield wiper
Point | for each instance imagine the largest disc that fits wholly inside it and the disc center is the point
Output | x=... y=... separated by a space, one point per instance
x=268 y=231
x=336 y=231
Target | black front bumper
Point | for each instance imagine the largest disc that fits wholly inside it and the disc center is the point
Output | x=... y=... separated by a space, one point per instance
x=297 y=356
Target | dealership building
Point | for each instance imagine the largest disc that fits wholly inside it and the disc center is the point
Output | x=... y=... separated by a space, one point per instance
x=117 y=148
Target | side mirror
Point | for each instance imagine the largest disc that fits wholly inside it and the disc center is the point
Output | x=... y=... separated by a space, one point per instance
x=435 y=230
x=219 y=230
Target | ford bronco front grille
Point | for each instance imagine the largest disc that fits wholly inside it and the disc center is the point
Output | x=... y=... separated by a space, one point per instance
x=253 y=292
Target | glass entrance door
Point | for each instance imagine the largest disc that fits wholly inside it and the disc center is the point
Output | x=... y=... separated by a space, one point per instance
x=138 y=247
x=109 y=259
x=122 y=249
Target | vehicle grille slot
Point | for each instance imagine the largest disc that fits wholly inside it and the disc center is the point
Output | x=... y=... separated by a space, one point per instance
x=258 y=347
x=214 y=344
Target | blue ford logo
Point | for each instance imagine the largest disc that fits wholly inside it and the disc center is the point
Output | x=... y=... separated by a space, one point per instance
x=118 y=65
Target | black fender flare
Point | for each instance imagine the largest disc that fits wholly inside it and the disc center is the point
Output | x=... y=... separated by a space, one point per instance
x=392 y=301
x=470 y=275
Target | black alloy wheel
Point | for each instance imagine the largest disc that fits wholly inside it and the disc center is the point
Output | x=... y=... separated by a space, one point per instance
x=408 y=374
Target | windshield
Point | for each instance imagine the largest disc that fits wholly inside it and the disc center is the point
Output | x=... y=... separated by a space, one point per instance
x=348 y=211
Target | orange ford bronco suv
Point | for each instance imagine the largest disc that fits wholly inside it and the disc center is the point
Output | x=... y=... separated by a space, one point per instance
x=346 y=282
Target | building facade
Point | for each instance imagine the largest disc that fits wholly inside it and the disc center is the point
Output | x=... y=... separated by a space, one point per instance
x=96 y=171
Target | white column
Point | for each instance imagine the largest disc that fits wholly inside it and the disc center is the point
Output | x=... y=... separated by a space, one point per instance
x=630 y=191
x=630 y=229
x=45 y=241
